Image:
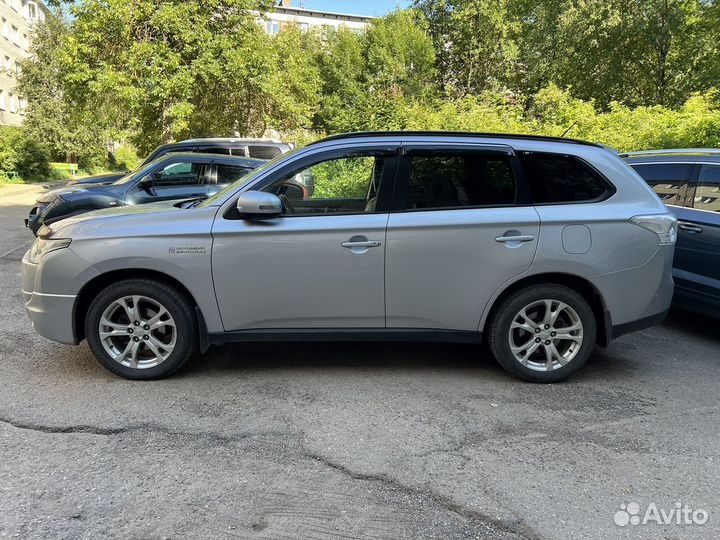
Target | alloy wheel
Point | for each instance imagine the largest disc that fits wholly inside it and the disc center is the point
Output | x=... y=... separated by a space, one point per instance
x=546 y=335
x=137 y=332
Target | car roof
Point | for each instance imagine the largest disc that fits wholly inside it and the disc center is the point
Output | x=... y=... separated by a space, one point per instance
x=232 y=140
x=673 y=155
x=424 y=135
x=207 y=155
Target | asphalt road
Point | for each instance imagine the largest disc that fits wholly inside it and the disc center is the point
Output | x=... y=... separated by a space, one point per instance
x=320 y=441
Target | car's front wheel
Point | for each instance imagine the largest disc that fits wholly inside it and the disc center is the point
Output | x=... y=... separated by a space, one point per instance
x=141 y=329
x=543 y=333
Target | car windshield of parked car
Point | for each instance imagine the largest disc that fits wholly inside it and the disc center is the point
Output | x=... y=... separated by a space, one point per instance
x=247 y=178
x=137 y=173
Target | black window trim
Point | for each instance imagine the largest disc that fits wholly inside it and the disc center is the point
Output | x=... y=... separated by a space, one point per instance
x=402 y=184
x=608 y=193
x=387 y=182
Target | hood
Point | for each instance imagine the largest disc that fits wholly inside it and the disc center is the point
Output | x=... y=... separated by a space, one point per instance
x=68 y=193
x=110 y=213
x=106 y=178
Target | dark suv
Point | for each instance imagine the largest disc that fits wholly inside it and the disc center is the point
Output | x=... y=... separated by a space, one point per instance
x=253 y=148
x=172 y=176
x=688 y=181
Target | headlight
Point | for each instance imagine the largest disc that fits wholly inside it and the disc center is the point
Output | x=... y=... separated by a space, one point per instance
x=664 y=225
x=41 y=246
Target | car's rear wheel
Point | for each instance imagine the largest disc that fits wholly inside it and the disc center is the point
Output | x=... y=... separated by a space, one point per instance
x=141 y=329
x=543 y=333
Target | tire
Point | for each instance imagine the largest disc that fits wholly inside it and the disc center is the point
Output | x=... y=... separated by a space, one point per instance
x=536 y=361
x=149 y=329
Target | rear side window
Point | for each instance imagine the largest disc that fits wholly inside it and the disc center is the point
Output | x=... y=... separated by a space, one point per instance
x=223 y=151
x=450 y=179
x=707 y=193
x=264 y=152
x=666 y=179
x=559 y=178
x=227 y=174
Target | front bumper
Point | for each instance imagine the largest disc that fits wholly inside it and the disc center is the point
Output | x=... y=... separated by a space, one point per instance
x=34 y=221
x=51 y=315
x=50 y=290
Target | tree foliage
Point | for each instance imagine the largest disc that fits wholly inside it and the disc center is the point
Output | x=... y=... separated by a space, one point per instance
x=630 y=73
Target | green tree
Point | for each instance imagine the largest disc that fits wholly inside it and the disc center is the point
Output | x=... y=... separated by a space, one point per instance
x=475 y=43
x=54 y=120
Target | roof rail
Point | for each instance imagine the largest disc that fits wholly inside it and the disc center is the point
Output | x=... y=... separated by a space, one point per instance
x=361 y=134
x=671 y=151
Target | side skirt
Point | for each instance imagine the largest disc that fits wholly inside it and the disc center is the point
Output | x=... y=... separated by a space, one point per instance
x=347 y=334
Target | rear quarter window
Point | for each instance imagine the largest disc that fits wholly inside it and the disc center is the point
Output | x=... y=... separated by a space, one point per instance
x=561 y=178
x=263 y=152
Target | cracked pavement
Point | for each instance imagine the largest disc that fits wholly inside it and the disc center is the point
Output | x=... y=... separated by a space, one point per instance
x=357 y=440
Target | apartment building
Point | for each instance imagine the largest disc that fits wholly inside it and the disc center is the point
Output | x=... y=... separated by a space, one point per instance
x=285 y=15
x=17 y=18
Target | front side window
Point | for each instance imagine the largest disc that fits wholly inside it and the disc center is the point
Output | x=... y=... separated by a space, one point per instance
x=347 y=185
x=560 y=178
x=450 y=179
x=179 y=174
x=666 y=179
x=707 y=193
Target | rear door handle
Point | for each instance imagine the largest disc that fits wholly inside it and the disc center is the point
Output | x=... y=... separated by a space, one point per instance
x=516 y=238
x=689 y=227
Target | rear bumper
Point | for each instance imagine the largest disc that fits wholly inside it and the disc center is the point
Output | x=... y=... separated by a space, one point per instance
x=621 y=329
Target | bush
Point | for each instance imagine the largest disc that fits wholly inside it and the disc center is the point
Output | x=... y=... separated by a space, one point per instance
x=126 y=158
x=21 y=154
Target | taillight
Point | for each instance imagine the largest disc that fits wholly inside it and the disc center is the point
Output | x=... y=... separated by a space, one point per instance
x=664 y=225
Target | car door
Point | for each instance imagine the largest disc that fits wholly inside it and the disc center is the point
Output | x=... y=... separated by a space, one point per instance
x=697 y=261
x=456 y=236
x=320 y=264
x=179 y=178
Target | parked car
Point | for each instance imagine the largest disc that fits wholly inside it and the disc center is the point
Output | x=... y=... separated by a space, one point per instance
x=688 y=181
x=543 y=246
x=253 y=148
x=173 y=176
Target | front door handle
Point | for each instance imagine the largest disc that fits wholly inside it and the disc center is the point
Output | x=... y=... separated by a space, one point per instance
x=689 y=227
x=515 y=238
x=360 y=244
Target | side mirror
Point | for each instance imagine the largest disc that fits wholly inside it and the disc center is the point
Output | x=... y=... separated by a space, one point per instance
x=259 y=205
x=147 y=181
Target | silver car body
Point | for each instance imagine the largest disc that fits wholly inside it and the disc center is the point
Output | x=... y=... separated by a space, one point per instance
x=434 y=273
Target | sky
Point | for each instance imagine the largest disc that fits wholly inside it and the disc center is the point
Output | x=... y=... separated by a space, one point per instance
x=364 y=7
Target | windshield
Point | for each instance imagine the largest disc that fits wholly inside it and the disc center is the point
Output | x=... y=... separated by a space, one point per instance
x=247 y=178
x=138 y=172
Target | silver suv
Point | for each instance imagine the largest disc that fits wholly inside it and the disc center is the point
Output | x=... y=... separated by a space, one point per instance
x=544 y=247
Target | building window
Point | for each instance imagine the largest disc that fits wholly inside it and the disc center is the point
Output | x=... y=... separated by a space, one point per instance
x=8 y=65
x=15 y=35
x=304 y=26
x=6 y=29
x=2 y=100
x=272 y=27
x=25 y=42
x=32 y=10
x=14 y=4
x=13 y=103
